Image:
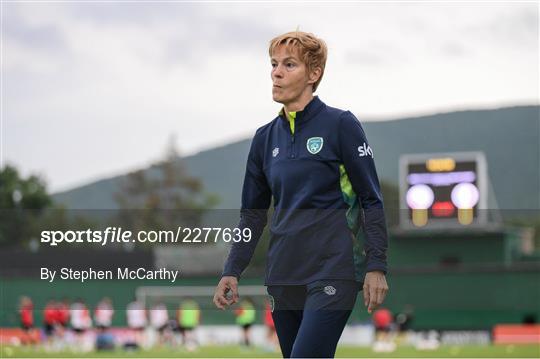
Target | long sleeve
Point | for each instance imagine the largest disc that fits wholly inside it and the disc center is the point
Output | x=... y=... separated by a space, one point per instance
x=358 y=160
x=256 y=196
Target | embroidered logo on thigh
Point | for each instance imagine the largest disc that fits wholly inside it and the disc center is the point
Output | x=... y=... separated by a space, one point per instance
x=330 y=290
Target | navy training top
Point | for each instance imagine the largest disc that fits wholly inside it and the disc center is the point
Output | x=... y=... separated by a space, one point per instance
x=328 y=220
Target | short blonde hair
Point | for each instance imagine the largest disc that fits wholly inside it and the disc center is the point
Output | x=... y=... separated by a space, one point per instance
x=312 y=50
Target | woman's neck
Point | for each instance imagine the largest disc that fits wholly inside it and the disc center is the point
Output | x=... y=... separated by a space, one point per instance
x=299 y=104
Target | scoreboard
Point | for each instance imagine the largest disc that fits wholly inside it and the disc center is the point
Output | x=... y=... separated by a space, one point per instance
x=443 y=190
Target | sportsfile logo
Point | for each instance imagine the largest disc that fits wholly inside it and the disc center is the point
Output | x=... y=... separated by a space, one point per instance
x=365 y=150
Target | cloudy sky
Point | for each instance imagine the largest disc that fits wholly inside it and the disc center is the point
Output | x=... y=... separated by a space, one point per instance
x=91 y=90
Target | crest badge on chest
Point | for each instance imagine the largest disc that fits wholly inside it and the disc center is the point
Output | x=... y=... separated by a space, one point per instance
x=314 y=145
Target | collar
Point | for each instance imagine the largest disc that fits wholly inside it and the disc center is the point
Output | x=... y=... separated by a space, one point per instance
x=311 y=109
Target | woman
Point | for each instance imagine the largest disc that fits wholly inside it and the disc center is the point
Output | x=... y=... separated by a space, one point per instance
x=315 y=161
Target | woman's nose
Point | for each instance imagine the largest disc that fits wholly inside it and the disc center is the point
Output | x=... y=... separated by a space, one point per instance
x=277 y=71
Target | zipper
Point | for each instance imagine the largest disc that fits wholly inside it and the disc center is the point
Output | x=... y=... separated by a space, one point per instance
x=292 y=138
x=292 y=146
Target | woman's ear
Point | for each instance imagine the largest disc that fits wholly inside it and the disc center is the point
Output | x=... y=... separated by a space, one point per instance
x=314 y=75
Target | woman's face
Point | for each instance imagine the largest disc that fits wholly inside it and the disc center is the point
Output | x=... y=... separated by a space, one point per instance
x=289 y=76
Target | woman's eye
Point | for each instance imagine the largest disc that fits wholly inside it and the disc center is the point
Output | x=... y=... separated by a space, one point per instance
x=274 y=65
x=290 y=65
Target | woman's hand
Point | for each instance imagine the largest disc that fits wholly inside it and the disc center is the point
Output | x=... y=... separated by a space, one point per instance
x=226 y=284
x=375 y=289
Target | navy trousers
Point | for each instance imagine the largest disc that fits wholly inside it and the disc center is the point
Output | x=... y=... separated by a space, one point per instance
x=309 y=319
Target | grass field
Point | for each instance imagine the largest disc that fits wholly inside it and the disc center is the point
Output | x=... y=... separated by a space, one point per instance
x=493 y=351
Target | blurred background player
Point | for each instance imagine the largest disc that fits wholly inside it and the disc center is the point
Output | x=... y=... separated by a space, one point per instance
x=49 y=321
x=26 y=313
x=404 y=321
x=62 y=321
x=63 y=312
x=271 y=335
x=136 y=319
x=245 y=317
x=159 y=318
x=382 y=321
x=189 y=317
x=103 y=314
x=80 y=322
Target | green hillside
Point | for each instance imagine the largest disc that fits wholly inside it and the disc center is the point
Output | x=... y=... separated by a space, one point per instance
x=509 y=137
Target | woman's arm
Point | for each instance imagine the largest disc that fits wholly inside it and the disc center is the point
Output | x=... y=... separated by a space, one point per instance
x=256 y=197
x=357 y=158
